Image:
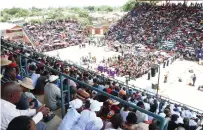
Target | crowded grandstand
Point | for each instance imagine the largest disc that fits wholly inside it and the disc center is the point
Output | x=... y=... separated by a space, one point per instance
x=38 y=90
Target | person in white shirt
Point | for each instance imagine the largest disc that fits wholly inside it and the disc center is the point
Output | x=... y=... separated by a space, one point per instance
x=124 y=112
x=72 y=115
x=146 y=104
x=34 y=76
x=141 y=117
x=11 y=93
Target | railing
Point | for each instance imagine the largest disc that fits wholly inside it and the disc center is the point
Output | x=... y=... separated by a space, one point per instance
x=29 y=37
x=71 y=63
x=139 y=89
x=163 y=122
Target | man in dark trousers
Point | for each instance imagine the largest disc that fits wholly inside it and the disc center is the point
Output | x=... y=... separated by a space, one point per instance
x=193 y=80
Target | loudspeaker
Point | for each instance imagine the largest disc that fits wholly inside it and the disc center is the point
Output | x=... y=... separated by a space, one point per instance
x=153 y=72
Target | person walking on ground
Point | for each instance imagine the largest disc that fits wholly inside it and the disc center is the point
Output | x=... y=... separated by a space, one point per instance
x=193 y=80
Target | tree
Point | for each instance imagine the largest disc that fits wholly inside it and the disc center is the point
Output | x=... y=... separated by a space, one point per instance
x=5 y=17
x=105 y=8
x=56 y=15
x=90 y=8
x=83 y=13
x=35 y=11
x=129 y=5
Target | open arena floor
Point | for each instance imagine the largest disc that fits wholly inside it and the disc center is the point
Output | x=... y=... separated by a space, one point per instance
x=173 y=89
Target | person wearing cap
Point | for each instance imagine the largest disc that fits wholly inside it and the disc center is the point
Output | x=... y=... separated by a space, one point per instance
x=27 y=99
x=52 y=94
x=72 y=116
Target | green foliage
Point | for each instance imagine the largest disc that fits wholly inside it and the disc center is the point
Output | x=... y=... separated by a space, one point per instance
x=35 y=11
x=83 y=13
x=56 y=14
x=105 y=8
x=129 y=5
x=14 y=12
x=5 y=17
x=90 y=8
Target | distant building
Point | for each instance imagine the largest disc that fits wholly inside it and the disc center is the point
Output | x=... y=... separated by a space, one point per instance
x=13 y=32
x=96 y=30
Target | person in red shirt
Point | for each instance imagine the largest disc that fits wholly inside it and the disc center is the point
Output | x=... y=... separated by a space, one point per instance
x=109 y=90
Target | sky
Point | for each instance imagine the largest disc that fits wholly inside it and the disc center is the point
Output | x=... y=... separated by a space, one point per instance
x=58 y=3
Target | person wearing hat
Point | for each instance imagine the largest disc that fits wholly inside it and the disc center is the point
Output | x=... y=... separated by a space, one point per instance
x=89 y=114
x=52 y=93
x=27 y=99
x=72 y=116
x=4 y=62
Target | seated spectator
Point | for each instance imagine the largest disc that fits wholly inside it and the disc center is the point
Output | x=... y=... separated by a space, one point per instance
x=22 y=123
x=116 y=123
x=27 y=100
x=41 y=82
x=52 y=94
x=141 y=117
x=34 y=75
x=131 y=120
x=124 y=112
x=11 y=93
x=9 y=75
x=96 y=124
x=172 y=125
x=89 y=114
x=72 y=116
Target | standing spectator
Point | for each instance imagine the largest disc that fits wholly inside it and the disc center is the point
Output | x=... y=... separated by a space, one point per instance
x=193 y=80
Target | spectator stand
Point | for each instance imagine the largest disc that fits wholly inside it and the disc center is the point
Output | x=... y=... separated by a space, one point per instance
x=134 y=88
x=163 y=122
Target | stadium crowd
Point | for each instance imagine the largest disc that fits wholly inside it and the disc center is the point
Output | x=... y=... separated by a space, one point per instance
x=88 y=109
x=170 y=27
x=53 y=35
x=132 y=65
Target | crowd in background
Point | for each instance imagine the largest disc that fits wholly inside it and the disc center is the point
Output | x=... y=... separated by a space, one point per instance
x=133 y=65
x=169 y=27
x=53 y=35
x=88 y=109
